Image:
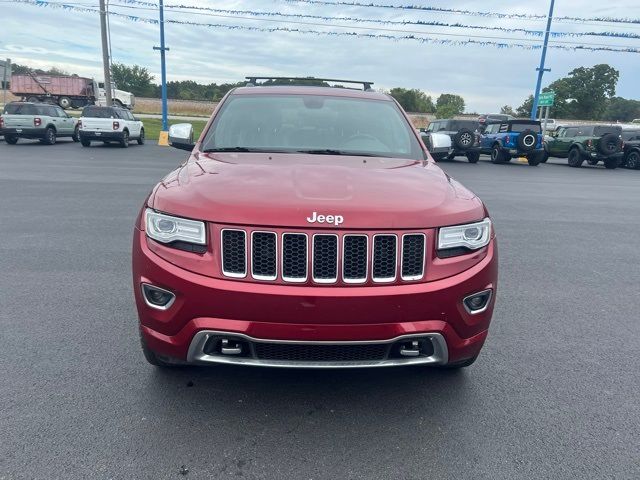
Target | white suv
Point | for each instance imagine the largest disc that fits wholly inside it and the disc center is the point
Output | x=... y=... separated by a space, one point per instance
x=109 y=124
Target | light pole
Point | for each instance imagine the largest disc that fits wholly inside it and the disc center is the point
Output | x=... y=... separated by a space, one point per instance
x=164 y=134
x=541 y=69
x=105 y=53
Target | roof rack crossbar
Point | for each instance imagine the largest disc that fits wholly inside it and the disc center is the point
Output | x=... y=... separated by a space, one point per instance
x=366 y=85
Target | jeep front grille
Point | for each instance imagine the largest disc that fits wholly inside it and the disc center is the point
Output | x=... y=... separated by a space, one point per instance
x=322 y=258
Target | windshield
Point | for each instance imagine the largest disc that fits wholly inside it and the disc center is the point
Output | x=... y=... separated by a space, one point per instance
x=521 y=127
x=455 y=125
x=629 y=135
x=23 y=109
x=313 y=124
x=599 y=131
x=98 y=112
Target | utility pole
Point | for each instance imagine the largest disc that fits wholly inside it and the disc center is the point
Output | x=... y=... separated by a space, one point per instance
x=541 y=69
x=105 y=53
x=163 y=140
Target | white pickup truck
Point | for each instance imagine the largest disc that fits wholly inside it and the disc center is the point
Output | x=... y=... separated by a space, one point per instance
x=109 y=124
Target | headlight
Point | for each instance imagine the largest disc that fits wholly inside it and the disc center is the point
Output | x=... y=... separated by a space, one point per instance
x=166 y=229
x=472 y=236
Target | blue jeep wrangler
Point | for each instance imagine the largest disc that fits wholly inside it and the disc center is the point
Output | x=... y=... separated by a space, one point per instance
x=513 y=138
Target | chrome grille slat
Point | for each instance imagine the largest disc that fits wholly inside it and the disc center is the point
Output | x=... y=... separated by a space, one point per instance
x=323 y=258
x=294 y=257
x=234 y=252
x=264 y=255
x=413 y=256
x=384 y=258
x=355 y=259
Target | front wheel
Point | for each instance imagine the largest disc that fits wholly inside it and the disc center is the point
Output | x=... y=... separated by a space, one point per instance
x=497 y=156
x=534 y=159
x=633 y=160
x=49 y=136
x=473 y=157
x=11 y=139
x=545 y=157
x=124 y=143
x=575 y=158
x=76 y=135
x=85 y=143
x=141 y=137
x=64 y=102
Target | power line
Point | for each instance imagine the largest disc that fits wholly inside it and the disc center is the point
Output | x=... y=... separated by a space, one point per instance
x=392 y=30
x=526 y=16
x=422 y=23
x=410 y=35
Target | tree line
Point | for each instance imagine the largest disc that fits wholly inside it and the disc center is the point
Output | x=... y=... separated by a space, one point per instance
x=586 y=93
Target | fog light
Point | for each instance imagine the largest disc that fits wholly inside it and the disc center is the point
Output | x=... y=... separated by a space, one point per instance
x=478 y=302
x=157 y=297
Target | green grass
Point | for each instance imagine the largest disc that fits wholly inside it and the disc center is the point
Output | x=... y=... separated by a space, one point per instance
x=152 y=127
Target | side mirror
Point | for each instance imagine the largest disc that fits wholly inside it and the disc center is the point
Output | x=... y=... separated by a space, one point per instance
x=181 y=136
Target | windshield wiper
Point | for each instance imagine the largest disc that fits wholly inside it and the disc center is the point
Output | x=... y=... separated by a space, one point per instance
x=329 y=151
x=238 y=149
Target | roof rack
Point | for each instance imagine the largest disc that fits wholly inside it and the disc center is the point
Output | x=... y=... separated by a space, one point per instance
x=253 y=81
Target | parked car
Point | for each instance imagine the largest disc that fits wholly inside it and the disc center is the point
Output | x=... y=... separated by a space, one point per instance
x=465 y=139
x=310 y=228
x=438 y=145
x=38 y=121
x=631 y=138
x=110 y=124
x=504 y=140
x=593 y=143
x=487 y=118
x=551 y=125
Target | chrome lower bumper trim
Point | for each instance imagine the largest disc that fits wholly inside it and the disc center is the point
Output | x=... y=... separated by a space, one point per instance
x=197 y=355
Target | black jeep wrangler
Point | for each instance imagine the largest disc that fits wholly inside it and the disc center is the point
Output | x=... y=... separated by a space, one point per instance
x=465 y=139
x=631 y=140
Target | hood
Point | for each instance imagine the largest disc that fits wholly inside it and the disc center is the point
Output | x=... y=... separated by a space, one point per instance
x=286 y=189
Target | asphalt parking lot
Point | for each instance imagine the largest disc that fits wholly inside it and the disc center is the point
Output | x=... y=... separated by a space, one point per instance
x=554 y=393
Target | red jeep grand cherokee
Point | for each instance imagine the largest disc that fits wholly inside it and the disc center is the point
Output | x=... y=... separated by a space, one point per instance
x=310 y=228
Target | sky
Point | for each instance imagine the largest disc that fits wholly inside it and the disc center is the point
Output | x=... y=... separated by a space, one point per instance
x=487 y=77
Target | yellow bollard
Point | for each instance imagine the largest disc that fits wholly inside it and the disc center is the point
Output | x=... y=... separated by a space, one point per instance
x=163 y=139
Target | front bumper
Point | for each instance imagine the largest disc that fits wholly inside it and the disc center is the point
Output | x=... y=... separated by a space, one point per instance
x=263 y=312
x=90 y=135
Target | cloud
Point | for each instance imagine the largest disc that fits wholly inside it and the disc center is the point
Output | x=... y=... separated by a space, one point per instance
x=486 y=77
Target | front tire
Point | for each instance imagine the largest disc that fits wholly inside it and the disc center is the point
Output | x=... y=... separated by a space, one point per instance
x=49 y=136
x=141 y=137
x=633 y=160
x=575 y=158
x=76 y=135
x=124 y=143
x=11 y=139
x=85 y=143
x=64 y=102
x=534 y=159
x=497 y=155
x=473 y=157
